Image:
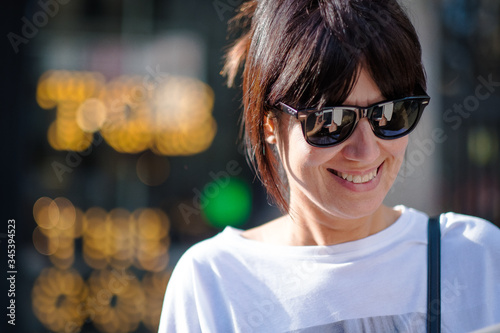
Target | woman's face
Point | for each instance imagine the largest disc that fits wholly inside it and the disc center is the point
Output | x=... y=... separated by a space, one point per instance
x=346 y=181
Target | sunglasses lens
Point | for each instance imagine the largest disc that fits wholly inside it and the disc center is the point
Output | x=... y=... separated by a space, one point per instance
x=389 y=120
x=396 y=119
x=329 y=127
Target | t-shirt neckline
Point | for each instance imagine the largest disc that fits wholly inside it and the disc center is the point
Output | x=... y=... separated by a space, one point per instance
x=344 y=251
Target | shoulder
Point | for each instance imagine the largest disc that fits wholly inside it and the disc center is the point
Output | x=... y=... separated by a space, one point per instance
x=470 y=227
x=205 y=250
x=194 y=280
x=468 y=234
x=207 y=254
x=470 y=271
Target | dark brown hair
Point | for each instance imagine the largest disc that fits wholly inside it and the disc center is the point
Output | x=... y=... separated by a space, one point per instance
x=308 y=54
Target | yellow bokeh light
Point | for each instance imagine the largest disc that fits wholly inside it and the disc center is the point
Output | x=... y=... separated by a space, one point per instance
x=153 y=242
x=116 y=239
x=113 y=299
x=57 y=229
x=128 y=126
x=119 y=298
x=94 y=231
x=154 y=285
x=93 y=220
x=152 y=262
x=63 y=262
x=67 y=90
x=57 y=299
x=173 y=118
x=91 y=115
x=183 y=108
x=52 y=137
x=152 y=223
x=78 y=226
x=42 y=92
x=43 y=243
x=67 y=213
x=46 y=213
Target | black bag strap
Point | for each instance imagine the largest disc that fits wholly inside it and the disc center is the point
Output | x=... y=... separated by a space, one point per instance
x=434 y=276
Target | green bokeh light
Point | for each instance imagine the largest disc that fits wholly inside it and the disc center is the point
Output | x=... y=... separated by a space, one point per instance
x=482 y=146
x=228 y=202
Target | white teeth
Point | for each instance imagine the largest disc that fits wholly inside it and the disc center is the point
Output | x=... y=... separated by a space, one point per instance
x=357 y=179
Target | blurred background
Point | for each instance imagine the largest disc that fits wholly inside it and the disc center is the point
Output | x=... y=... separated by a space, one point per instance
x=120 y=147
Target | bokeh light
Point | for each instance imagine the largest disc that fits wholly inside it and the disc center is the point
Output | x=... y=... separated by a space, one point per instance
x=154 y=285
x=112 y=298
x=152 y=242
x=67 y=91
x=58 y=299
x=43 y=243
x=91 y=115
x=59 y=223
x=120 y=238
x=94 y=235
x=482 y=146
x=172 y=118
x=183 y=117
x=116 y=300
x=46 y=213
x=128 y=127
x=227 y=202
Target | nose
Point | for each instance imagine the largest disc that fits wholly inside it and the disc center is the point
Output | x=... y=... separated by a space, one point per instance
x=362 y=145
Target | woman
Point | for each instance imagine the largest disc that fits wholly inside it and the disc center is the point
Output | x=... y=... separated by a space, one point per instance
x=331 y=90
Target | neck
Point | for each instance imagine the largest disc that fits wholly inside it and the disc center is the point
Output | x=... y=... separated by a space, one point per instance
x=317 y=227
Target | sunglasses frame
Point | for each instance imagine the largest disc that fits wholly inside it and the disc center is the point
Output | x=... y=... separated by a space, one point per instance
x=361 y=112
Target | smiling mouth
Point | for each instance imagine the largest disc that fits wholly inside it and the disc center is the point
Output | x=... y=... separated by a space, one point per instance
x=356 y=179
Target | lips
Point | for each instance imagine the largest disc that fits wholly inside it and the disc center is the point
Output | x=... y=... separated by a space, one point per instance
x=356 y=178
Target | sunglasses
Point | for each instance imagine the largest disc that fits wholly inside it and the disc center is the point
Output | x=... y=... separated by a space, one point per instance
x=330 y=126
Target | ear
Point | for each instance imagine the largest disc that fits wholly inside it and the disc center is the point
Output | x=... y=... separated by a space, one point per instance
x=270 y=129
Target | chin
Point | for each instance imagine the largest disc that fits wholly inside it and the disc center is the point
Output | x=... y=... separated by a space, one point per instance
x=353 y=209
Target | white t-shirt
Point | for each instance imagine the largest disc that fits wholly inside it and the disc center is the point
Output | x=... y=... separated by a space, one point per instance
x=376 y=284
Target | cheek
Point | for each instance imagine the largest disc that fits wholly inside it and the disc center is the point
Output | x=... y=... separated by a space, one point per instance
x=399 y=146
x=395 y=149
x=298 y=152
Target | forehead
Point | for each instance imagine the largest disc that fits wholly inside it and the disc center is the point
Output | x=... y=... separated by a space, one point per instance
x=365 y=91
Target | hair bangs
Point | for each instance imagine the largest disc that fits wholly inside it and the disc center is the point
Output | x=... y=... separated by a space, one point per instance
x=322 y=56
x=315 y=70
